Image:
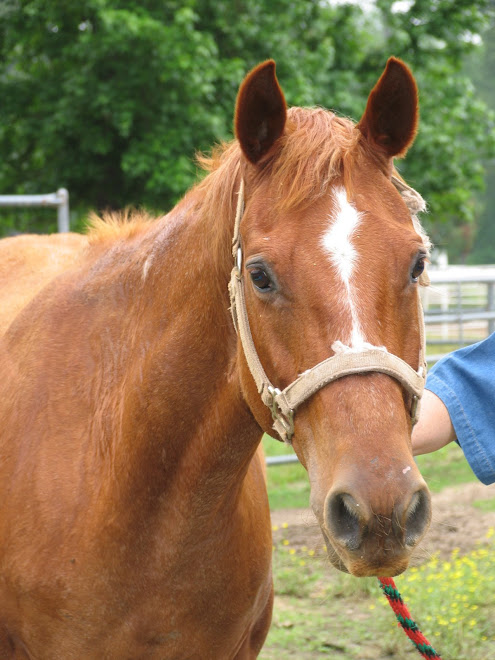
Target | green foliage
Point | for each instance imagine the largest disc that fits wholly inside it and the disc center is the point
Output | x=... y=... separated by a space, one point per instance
x=481 y=66
x=111 y=98
x=485 y=505
x=456 y=131
x=455 y=599
x=105 y=100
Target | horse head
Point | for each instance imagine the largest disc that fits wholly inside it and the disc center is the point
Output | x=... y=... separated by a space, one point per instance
x=325 y=287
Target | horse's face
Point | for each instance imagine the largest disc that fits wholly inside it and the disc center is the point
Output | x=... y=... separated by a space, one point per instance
x=338 y=274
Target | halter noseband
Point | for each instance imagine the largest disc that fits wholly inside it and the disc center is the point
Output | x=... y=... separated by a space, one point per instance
x=283 y=403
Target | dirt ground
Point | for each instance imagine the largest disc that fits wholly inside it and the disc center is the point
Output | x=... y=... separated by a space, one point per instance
x=456 y=523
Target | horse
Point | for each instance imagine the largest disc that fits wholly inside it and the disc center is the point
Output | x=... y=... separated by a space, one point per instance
x=142 y=362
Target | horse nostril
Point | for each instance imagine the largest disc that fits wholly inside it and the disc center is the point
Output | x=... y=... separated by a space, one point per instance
x=417 y=517
x=343 y=520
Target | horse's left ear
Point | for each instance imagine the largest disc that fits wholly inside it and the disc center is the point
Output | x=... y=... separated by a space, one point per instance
x=390 y=120
x=260 y=112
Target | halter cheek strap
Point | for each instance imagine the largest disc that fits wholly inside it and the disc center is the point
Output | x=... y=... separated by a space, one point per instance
x=283 y=403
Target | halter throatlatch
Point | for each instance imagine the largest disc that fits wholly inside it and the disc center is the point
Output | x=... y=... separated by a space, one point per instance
x=283 y=403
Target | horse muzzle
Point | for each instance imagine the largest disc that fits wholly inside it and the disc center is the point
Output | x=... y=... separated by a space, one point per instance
x=364 y=540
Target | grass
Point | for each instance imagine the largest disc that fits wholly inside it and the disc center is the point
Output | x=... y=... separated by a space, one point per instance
x=320 y=612
x=456 y=599
x=443 y=348
x=485 y=505
x=288 y=485
x=446 y=467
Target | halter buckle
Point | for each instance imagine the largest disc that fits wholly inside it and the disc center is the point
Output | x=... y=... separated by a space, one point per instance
x=278 y=415
x=414 y=408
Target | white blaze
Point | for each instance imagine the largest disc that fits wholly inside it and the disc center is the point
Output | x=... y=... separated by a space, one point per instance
x=337 y=243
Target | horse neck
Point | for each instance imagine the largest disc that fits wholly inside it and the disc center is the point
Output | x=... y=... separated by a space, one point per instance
x=191 y=420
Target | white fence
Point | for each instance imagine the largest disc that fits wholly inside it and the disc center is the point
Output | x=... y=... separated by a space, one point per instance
x=59 y=200
x=459 y=306
x=459 y=310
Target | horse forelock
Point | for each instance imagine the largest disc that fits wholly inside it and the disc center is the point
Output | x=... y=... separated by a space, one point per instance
x=308 y=158
x=314 y=148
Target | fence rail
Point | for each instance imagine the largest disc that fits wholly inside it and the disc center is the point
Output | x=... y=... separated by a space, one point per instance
x=59 y=200
x=460 y=304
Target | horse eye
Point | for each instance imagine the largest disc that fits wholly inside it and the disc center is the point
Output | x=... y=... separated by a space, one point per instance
x=419 y=267
x=260 y=279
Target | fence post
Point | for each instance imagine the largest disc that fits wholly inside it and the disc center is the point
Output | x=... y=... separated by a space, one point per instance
x=60 y=200
x=63 y=210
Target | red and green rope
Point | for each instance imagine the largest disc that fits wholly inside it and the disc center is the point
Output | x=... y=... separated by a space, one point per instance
x=404 y=618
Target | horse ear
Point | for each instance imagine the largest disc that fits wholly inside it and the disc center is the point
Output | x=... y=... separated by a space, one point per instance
x=390 y=120
x=260 y=112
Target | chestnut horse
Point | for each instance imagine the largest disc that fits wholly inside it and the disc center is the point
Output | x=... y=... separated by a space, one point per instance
x=134 y=519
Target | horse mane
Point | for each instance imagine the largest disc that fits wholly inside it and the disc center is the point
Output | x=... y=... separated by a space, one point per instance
x=313 y=152
x=117 y=224
x=310 y=155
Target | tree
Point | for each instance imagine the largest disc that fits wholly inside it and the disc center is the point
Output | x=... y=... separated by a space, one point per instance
x=108 y=102
x=111 y=98
x=456 y=133
x=481 y=66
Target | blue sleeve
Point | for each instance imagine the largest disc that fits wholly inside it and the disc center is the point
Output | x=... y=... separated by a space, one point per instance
x=465 y=381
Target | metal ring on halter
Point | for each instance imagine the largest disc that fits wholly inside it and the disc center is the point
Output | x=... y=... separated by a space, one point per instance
x=238 y=262
x=287 y=420
x=414 y=407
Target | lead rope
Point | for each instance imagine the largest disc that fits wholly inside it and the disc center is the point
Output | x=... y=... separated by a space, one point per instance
x=405 y=620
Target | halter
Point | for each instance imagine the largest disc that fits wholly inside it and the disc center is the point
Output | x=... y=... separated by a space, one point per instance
x=347 y=361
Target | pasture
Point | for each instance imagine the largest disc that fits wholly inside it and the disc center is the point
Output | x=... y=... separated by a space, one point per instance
x=450 y=587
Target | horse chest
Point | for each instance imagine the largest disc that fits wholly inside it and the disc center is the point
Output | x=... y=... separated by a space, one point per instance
x=164 y=596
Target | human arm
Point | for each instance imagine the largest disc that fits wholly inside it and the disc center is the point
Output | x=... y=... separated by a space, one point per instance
x=460 y=393
x=434 y=429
